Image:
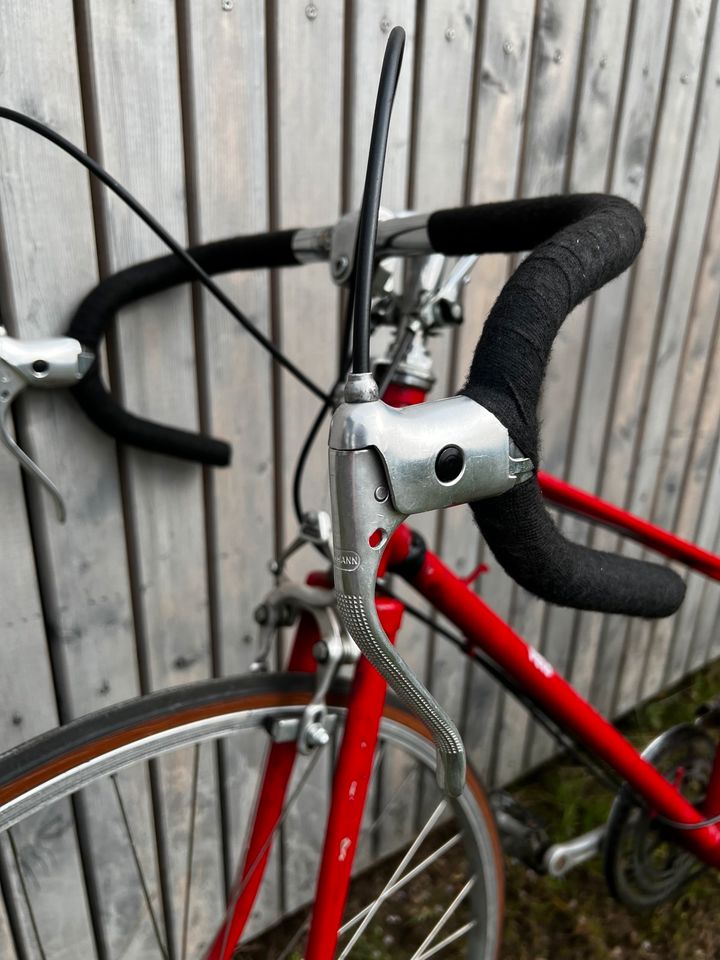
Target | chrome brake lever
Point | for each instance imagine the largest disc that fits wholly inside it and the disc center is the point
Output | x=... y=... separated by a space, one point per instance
x=386 y=464
x=51 y=362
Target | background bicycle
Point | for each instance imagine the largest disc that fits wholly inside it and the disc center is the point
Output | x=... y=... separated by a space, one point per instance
x=112 y=634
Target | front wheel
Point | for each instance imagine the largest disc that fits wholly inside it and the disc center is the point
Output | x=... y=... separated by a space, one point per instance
x=120 y=834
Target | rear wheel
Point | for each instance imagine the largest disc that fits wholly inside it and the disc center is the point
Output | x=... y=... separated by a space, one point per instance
x=131 y=796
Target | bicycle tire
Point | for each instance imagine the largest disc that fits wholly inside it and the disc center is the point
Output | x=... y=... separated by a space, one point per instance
x=65 y=761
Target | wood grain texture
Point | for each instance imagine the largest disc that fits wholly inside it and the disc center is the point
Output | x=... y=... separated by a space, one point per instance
x=642 y=352
x=237 y=118
x=631 y=168
x=592 y=150
x=226 y=137
x=558 y=38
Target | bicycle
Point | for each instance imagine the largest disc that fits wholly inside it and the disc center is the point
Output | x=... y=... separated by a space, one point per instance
x=390 y=458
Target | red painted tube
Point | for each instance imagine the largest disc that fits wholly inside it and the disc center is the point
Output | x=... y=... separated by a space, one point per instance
x=600 y=511
x=350 y=786
x=400 y=395
x=484 y=629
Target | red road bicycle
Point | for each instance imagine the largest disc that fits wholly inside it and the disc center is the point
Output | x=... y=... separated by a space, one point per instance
x=308 y=730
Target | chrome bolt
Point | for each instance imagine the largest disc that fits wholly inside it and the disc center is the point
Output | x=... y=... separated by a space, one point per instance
x=320 y=651
x=450 y=34
x=508 y=47
x=311 y=11
x=316 y=735
x=262 y=614
x=385 y=25
x=684 y=78
x=557 y=56
x=228 y=4
x=274 y=567
x=340 y=265
x=381 y=494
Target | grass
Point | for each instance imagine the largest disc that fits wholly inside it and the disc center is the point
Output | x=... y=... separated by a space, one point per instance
x=575 y=917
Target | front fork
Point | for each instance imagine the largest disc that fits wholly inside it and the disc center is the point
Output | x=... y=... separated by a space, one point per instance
x=350 y=784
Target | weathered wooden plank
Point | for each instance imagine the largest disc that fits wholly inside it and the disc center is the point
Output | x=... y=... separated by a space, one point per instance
x=501 y=75
x=634 y=416
x=25 y=675
x=371 y=23
x=138 y=125
x=227 y=151
x=27 y=698
x=558 y=38
x=696 y=502
x=631 y=166
x=307 y=192
x=7 y=943
x=694 y=623
x=692 y=296
x=591 y=154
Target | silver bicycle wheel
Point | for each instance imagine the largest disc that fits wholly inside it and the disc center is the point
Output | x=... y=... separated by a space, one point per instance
x=109 y=834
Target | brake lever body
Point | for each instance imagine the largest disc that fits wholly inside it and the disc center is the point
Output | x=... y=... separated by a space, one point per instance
x=385 y=465
x=50 y=362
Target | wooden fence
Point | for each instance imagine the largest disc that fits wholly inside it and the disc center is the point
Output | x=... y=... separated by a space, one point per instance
x=232 y=116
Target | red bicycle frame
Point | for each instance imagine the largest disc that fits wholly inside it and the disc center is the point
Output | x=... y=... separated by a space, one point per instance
x=528 y=669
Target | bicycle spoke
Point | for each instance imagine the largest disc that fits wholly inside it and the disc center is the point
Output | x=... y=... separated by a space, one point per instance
x=444 y=919
x=191 y=846
x=428 y=861
x=397 y=793
x=417 y=843
x=237 y=893
x=304 y=926
x=138 y=866
x=455 y=935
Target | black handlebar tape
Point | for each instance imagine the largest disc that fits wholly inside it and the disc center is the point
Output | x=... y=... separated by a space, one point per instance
x=579 y=243
x=106 y=413
x=95 y=313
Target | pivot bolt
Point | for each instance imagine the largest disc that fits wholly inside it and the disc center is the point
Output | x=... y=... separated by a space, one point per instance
x=320 y=651
x=340 y=265
x=316 y=735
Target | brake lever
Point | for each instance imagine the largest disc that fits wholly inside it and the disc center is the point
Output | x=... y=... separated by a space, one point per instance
x=385 y=465
x=51 y=362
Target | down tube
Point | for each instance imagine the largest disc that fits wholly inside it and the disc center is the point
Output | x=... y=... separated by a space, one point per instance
x=484 y=629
